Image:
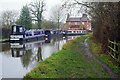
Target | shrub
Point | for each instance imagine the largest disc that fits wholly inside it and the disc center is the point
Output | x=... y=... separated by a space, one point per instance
x=5 y=32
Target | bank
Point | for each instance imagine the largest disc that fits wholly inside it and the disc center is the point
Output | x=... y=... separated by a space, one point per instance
x=105 y=58
x=4 y=40
x=70 y=62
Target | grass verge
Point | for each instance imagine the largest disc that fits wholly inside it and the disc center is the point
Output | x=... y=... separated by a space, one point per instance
x=70 y=62
x=106 y=59
x=3 y=39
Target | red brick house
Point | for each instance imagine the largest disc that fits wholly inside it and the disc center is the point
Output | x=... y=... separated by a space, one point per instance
x=73 y=23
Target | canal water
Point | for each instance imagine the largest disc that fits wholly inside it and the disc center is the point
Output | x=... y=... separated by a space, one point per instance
x=17 y=59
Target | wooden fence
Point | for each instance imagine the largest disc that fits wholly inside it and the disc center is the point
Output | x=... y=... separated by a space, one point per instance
x=114 y=50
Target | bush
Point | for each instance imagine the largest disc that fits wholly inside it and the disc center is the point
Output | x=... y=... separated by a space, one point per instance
x=5 y=32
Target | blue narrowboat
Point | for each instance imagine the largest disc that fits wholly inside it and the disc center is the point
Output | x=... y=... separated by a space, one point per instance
x=53 y=33
x=19 y=33
x=74 y=32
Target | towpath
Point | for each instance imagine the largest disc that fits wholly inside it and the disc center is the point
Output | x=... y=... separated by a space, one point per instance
x=91 y=57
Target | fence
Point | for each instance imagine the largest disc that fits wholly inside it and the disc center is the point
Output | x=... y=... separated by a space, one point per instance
x=114 y=50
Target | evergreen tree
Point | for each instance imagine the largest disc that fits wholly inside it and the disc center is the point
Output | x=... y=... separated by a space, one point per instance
x=25 y=18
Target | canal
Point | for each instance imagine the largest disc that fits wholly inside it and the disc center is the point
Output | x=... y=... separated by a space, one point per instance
x=17 y=59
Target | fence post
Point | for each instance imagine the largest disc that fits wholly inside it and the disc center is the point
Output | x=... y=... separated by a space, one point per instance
x=114 y=51
x=110 y=48
x=114 y=48
x=119 y=52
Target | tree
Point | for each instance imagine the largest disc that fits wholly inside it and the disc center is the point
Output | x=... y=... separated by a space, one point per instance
x=105 y=17
x=57 y=14
x=8 y=18
x=47 y=24
x=0 y=22
x=105 y=22
x=75 y=7
x=37 y=8
x=25 y=18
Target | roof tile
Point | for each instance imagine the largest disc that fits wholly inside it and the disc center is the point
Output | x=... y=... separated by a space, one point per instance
x=84 y=19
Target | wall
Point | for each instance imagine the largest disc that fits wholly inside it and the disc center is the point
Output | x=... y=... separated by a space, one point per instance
x=72 y=23
x=78 y=23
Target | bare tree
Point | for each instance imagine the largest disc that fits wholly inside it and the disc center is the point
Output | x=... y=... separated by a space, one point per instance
x=57 y=14
x=76 y=7
x=8 y=18
x=37 y=7
x=105 y=19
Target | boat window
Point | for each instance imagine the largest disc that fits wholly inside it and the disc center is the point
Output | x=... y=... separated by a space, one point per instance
x=21 y=29
x=42 y=32
x=14 y=29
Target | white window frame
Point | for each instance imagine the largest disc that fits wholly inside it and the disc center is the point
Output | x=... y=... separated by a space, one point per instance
x=89 y=27
x=83 y=23
x=69 y=23
x=69 y=28
x=75 y=23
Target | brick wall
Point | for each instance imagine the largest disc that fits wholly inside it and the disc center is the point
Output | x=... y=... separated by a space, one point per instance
x=71 y=23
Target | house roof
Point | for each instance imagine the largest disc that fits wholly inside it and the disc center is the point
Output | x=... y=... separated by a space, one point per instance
x=84 y=19
x=74 y=26
x=73 y=20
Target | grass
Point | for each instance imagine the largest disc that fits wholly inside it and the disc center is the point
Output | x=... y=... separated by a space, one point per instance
x=106 y=59
x=3 y=39
x=70 y=62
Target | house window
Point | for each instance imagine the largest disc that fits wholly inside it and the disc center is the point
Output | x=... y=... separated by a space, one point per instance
x=82 y=23
x=69 y=23
x=90 y=27
x=87 y=26
x=75 y=23
x=69 y=27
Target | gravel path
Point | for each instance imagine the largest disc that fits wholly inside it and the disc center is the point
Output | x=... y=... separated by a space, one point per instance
x=91 y=57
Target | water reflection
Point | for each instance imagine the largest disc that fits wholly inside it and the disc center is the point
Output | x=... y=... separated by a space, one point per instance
x=32 y=53
x=4 y=47
x=70 y=37
x=23 y=57
x=20 y=49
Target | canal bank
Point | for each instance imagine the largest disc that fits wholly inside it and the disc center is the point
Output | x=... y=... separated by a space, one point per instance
x=4 y=40
x=23 y=57
x=70 y=62
x=106 y=59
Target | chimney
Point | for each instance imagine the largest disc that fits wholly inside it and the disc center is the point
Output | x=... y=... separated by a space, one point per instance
x=80 y=19
x=68 y=16
x=84 y=15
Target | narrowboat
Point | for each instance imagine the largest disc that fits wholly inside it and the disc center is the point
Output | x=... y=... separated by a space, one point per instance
x=19 y=33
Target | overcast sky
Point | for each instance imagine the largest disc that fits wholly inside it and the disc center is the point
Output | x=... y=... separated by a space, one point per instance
x=18 y=4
